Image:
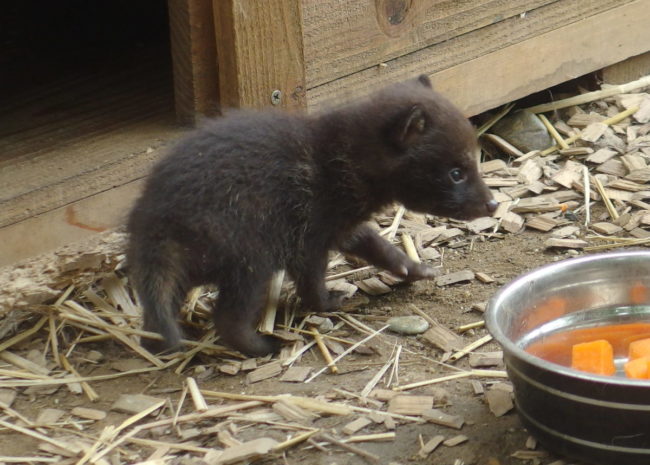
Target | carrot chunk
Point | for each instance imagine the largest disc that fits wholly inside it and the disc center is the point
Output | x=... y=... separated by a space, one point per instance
x=637 y=368
x=639 y=348
x=593 y=357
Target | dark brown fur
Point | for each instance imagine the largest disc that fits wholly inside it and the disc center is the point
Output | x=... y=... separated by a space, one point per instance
x=255 y=192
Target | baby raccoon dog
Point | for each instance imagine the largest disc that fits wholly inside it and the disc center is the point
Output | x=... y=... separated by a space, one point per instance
x=256 y=192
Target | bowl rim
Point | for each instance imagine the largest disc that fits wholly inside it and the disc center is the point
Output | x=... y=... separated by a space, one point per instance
x=513 y=349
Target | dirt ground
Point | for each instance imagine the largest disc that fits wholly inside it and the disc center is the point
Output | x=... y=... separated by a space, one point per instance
x=491 y=440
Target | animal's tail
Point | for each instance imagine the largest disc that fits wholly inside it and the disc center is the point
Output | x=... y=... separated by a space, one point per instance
x=159 y=277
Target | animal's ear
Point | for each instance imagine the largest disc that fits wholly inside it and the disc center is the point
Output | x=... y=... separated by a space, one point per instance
x=425 y=81
x=412 y=125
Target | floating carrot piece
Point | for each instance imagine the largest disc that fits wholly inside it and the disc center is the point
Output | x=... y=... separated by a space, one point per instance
x=637 y=368
x=593 y=357
x=639 y=294
x=639 y=348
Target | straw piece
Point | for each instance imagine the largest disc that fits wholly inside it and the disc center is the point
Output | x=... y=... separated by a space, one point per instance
x=90 y=392
x=199 y=402
x=24 y=335
x=591 y=96
x=351 y=448
x=409 y=247
x=36 y=435
x=606 y=200
x=553 y=132
x=470 y=347
x=346 y=352
x=324 y=350
x=609 y=121
x=270 y=310
x=118 y=335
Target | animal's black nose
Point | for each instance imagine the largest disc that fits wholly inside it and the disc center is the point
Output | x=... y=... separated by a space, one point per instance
x=491 y=205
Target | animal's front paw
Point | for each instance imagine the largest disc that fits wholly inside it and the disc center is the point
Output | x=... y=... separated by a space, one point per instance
x=417 y=271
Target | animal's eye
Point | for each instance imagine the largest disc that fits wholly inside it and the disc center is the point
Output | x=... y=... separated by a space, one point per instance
x=457 y=175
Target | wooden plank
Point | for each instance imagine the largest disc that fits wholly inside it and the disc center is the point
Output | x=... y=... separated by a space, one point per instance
x=260 y=51
x=53 y=229
x=194 y=57
x=342 y=38
x=627 y=70
x=458 y=65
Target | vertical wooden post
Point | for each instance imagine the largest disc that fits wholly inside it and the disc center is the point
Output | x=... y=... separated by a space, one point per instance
x=194 y=55
x=260 y=52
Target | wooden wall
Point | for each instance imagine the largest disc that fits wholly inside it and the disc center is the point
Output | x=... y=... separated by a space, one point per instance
x=297 y=54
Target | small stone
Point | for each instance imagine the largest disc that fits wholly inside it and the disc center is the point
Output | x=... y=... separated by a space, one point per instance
x=412 y=324
x=524 y=130
x=134 y=403
x=89 y=413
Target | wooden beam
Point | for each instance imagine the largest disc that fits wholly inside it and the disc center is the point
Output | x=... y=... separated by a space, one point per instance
x=627 y=70
x=260 y=52
x=194 y=56
x=342 y=38
x=72 y=223
x=498 y=75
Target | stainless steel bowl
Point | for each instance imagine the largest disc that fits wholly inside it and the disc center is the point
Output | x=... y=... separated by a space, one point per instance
x=597 y=419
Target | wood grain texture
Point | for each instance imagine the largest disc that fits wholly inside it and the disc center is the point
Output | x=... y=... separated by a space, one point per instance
x=346 y=37
x=259 y=47
x=65 y=225
x=627 y=70
x=194 y=57
x=83 y=132
x=513 y=58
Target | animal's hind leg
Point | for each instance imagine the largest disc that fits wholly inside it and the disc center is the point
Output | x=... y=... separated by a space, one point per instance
x=238 y=311
x=159 y=277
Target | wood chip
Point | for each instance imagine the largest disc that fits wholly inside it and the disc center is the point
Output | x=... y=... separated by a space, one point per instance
x=410 y=405
x=444 y=419
x=373 y=286
x=443 y=339
x=606 y=228
x=493 y=165
x=356 y=425
x=264 y=372
x=593 y=132
x=453 y=278
x=601 y=156
x=512 y=222
x=431 y=445
x=542 y=223
x=49 y=416
x=247 y=451
x=477 y=387
x=576 y=151
x=481 y=224
x=488 y=359
x=456 y=440
x=613 y=167
x=570 y=172
x=565 y=243
x=134 y=403
x=484 y=277
x=499 y=402
x=230 y=368
x=89 y=413
x=292 y=412
x=529 y=172
x=565 y=231
x=296 y=374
